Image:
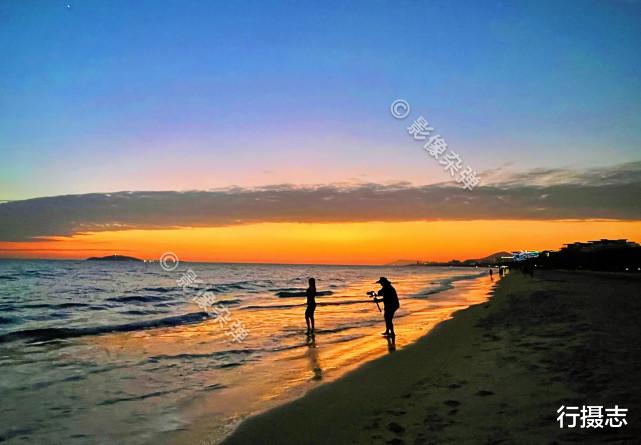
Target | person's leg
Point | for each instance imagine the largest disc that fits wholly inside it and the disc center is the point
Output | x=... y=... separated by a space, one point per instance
x=307 y=320
x=312 y=319
x=391 y=322
x=387 y=322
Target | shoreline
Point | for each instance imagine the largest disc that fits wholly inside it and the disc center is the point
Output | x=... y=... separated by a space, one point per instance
x=333 y=363
x=495 y=372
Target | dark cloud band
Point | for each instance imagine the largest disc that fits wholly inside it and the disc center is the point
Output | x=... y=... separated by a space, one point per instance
x=609 y=193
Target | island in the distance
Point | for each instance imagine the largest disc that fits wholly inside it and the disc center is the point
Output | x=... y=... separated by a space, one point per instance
x=114 y=258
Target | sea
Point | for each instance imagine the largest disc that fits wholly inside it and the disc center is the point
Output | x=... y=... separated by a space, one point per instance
x=97 y=352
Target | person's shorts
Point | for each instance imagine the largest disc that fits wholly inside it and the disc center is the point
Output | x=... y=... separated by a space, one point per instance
x=309 y=312
x=389 y=313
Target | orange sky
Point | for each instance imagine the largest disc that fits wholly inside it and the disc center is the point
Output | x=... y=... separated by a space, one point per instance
x=344 y=243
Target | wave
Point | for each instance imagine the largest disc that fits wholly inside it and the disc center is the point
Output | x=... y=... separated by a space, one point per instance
x=47 y=334
x=136 y=299
x=207 y=355
x=229 y=359
x=228 y=302
x=141 y=396
x=242 y=285
x=247 y=285
x=52 y=305
x=7 y=320
x=69 y=305
x=142 y=312
x=321 y=303
x=37 y=274
x=278 y=289
x=301 y=293
x=159 y=289
x=445 y=284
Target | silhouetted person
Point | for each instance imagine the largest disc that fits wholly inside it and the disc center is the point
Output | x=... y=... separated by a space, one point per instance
x=311 y=306
x=390 y=301
x=491 y=274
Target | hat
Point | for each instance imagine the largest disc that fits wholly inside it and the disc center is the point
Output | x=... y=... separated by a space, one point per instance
x=382 y=280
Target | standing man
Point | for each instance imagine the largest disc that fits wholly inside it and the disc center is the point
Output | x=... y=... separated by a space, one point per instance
x=390 y=301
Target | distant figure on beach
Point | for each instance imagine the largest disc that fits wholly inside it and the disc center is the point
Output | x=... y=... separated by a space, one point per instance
x=311 y=306
x=491 y=274
x=390 y=301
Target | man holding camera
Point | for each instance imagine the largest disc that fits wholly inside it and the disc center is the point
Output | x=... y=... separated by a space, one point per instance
x=391 y=304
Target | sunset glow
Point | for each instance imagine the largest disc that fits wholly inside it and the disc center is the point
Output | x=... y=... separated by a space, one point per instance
x=347 y=243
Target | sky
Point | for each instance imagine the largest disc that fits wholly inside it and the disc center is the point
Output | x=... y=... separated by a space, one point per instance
x=280 y=101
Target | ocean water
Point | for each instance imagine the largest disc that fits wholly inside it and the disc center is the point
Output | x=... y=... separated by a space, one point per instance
x=100 y=352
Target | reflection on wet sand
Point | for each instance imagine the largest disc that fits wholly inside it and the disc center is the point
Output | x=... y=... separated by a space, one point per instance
x=391 y=344
x=314 y=363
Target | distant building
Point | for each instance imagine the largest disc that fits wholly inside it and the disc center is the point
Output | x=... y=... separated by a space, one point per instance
x=604 y=254
x=524 y=255
x=601 y=244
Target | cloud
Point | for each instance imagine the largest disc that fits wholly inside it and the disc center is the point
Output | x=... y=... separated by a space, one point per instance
x=550 y=194
x=628 y=173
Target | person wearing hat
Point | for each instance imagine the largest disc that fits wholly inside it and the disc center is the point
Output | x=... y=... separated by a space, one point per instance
x=390 y=301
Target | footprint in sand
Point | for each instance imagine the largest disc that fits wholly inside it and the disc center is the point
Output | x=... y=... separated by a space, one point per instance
x=484 y=393
x=395 y=428
x=373 y=424
x=434 y=422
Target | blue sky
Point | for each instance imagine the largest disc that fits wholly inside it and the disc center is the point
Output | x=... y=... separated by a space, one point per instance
x=174 y=95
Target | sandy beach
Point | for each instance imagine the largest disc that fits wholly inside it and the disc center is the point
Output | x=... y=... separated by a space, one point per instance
x=495 y=373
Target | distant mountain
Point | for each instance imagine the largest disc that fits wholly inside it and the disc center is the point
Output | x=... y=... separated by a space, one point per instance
x=402 y=263
x=113 y=258
x=488 y=260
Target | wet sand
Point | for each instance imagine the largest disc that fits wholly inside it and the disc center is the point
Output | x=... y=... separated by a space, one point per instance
x=495 y=373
